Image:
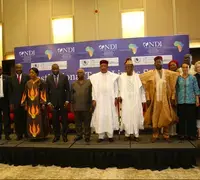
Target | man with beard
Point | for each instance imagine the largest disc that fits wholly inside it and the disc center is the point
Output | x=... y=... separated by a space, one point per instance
x=104 y=101
x=160 y=94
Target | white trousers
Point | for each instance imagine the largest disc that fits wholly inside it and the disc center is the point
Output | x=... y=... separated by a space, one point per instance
x=128 y=135
x=172 y=130
x=198 y=123
x=102 y=135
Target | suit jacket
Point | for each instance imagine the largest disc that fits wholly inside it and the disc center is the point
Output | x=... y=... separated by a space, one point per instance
x=16 y=90
x=57 y=96
x=81 y=95
x=6 y=89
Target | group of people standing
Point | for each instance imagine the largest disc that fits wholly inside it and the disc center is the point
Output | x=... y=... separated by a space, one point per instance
x=187 y=125
x=30 y=98
x=171 y=98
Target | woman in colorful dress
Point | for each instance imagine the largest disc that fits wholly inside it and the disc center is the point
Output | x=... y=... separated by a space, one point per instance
x=34 y=101
x=197 y=75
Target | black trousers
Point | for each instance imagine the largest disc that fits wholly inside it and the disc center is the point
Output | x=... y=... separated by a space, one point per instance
x=83 y=118
x=4 y=108
x=187 y=120
x=20 y=121
x=57 y=112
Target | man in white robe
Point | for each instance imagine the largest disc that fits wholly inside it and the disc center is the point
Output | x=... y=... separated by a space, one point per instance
x=131 y=96
x=105 y=98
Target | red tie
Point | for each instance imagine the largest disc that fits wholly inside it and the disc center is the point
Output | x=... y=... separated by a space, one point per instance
x=19 y=80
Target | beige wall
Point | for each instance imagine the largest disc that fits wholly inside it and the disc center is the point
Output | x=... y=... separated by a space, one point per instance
x=28 y=22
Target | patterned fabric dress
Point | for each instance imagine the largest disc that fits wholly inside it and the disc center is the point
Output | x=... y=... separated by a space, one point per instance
x=187 y=89
x=197 y=75
x=33 y=98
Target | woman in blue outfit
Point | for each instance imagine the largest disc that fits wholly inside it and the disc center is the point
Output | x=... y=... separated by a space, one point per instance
x=188 y=92
x=197 y=75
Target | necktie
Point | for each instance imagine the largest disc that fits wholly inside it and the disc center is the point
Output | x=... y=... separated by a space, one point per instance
x=56 y=80
x=18 y=77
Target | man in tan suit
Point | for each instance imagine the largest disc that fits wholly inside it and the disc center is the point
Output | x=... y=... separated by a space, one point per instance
x=159 y=85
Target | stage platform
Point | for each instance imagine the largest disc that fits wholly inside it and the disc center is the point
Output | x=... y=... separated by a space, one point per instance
x=120 y=153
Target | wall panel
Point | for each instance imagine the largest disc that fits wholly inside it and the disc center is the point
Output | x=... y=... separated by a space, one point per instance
x=188 y=17
x=109 y=21
x=159 y=17
x=131 y=4
x=62 y=7
x=14 y=25
x=84 y=20
x=39 y=22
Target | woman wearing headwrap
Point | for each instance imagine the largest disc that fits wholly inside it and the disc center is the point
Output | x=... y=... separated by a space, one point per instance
x=34 y=101
x=173 y=66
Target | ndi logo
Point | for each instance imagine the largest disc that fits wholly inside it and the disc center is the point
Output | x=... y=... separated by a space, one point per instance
x=108 y=47
x=153 y=44
x=66 y=50
x=27 y=53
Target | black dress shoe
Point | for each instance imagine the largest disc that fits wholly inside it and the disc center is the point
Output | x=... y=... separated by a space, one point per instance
x=110 y=139
x=153 y=140
x=78 y=138
x=87 y=140
x=99 y=140
x=127 y=138
x=26 y=136
x=55 y=139
x=137 y=139
x=182 y=138
x=7 y=137
x=168 y=140
x=192 y=138
x=64 y=137
x=19 y=138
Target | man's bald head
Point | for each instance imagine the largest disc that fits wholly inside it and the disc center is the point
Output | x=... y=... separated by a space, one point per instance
x=80 y=74
x=55 y=69
x=80 y=71
x=54 y=66
x=18 y=68
x=187 y=59
x=18 y=65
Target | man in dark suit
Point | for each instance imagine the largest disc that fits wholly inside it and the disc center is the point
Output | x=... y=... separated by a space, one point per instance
x=17 y=86
x=58 y=94
x=4 y=105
